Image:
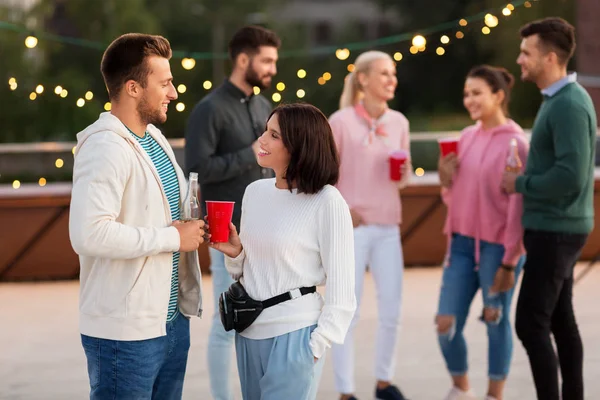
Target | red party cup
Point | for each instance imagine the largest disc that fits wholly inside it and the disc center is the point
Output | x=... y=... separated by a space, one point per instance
x=219 y=218
x=448 y=145
x=397 y=160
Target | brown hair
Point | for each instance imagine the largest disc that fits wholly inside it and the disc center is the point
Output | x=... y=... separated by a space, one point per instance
x=125 y=59
x=555 y=34
x=249 y=39
x=307 y=136
x=497 y=78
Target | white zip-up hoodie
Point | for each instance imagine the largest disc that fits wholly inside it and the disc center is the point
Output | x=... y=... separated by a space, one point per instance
x=120 y=227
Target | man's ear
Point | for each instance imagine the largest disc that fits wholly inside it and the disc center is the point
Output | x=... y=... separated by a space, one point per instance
x=243 y=60
x=132 y=88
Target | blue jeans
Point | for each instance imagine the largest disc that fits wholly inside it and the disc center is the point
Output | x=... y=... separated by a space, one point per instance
x=140 y=369
x=460 y=282
x=278 y=368
x=220 y=343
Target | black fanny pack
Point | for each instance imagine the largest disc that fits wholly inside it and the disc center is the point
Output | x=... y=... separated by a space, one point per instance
x=238 y=310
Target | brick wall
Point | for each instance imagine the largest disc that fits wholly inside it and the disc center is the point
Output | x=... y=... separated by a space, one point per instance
x=588 y=47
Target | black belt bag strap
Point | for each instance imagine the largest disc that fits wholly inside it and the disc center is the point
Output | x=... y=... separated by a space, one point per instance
x=238 y=310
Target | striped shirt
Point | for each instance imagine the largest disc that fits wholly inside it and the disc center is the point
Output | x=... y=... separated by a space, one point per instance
x=170 y=184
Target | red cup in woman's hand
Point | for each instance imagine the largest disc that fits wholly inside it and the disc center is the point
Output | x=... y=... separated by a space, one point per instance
x=397 y=160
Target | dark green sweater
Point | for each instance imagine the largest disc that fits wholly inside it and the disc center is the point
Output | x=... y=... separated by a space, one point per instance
x=558 y=184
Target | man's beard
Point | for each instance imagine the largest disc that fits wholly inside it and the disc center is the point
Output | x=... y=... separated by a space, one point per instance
x=148 y=115
x=254 y=80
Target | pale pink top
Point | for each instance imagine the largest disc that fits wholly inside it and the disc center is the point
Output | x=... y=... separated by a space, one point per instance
x=365 y=180
x=477 y=205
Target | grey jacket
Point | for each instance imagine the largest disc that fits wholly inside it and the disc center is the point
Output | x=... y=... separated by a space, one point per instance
x=218 y=144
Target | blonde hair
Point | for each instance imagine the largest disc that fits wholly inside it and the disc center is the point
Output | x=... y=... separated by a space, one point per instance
x=352 y=92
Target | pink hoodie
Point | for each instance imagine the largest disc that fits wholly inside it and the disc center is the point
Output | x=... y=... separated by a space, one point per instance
x=477 y=205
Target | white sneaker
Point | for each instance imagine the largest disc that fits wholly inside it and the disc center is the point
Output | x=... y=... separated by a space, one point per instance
x=457 y=394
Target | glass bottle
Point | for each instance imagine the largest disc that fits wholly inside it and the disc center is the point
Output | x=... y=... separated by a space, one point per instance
x=190 y=208
x=513 y=161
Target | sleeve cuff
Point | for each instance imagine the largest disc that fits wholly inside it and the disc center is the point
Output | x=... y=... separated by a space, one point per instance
x=520 y=184
x=318 y=345
x=171 y=239
x=512 y=261
x=235 y=265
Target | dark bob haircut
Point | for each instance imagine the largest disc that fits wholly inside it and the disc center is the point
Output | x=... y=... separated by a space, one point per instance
x=307 y=136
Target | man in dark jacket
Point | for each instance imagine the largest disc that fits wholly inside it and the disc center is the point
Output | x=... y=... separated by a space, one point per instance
x=221 y=146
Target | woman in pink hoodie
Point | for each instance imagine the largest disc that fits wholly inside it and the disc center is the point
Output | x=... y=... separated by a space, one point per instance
x=484 y=228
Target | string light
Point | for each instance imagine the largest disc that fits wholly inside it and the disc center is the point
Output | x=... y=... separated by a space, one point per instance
x=58 y=90
x=281 y=86
x=350 y=68
x=300 y=93
x=207 y=85
x=256 y=90
x=64 y=93
x=16 y=184
x=188 y=63
x=181 y=88
x=301 y=74
x=321 y=81
x=422 y=49
x=32 y=96
x=485 y=30
x=527 y=4
x=510 y=7
x=59 y=163
x=398 y=56
x=73 y=149
x=440 y=51
x=31 y=41
x=326 y=76
x=107 y=106
x=460 y=35
x=80 y=102
x=419 y=171
x=180 y=107
x=89 y=95
x=414 y=49
x=491 y=20
x=419 y=41
x=276 y=97
x=13 y=86
x=506 y=12
x=342 y=54
x=42 y=182
x=39 y=89
x=445 y=39
x=463 y=22
x=12 y=81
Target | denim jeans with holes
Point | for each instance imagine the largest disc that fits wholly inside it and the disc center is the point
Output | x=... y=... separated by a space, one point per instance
x=461 y=280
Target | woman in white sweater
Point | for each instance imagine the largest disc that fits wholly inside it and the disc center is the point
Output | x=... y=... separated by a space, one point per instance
x=296 y=232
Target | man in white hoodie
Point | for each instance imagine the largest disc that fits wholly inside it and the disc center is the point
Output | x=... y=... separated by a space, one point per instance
x=140 y=276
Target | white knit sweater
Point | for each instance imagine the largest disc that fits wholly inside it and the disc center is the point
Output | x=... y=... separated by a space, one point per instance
x=293 y=240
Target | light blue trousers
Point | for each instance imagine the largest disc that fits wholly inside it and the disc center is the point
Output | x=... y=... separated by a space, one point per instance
x=279 y=368
x=220 y=343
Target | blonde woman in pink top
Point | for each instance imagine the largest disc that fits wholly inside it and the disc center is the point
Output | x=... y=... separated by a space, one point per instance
x=366 y=131
x=484 y=225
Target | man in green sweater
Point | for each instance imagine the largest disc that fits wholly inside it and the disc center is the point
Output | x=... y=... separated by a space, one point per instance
x=558 y=207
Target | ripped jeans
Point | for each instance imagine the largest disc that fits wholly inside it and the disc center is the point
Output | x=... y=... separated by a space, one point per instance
x=460 y=282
